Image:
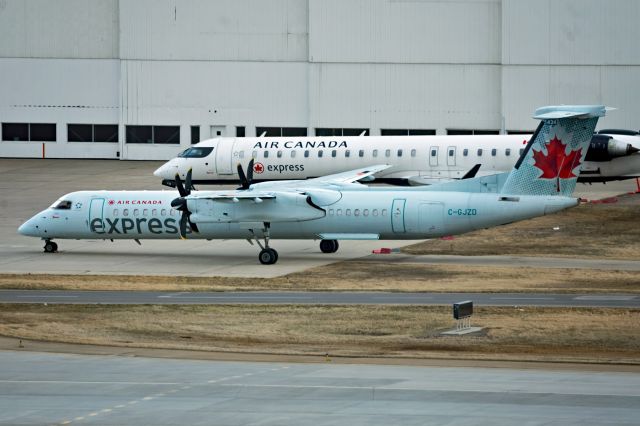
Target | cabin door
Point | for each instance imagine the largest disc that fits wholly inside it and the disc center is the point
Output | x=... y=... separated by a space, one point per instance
x=433 y=156
x=96 y=211
x=397 y=216
x=224 y=160
x=451 y=156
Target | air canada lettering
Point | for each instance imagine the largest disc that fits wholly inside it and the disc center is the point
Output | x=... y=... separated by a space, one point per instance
x=134 y=226
x=131 y=202
x=301 y=144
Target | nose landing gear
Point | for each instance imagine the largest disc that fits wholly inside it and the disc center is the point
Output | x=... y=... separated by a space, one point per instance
x=50 y=246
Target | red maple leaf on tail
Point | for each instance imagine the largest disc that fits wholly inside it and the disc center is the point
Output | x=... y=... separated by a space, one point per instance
x=556 y=164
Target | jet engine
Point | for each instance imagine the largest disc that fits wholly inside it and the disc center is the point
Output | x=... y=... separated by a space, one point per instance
x=605 y=148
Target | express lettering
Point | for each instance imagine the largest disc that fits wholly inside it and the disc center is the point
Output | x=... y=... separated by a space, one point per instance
x=133 y=226
x=286 y=168
x=301 y=144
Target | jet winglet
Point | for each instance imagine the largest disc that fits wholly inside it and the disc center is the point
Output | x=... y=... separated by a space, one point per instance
x=472 y=173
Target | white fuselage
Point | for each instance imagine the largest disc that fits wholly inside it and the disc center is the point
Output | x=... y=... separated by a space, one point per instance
x=379 y=213
x=415 y=160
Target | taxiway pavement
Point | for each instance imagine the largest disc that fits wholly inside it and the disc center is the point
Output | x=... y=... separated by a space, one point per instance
x=323 y=298
x=63 y=389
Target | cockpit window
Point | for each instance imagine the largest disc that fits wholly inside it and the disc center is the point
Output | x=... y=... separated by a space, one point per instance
x=196 y=152
x=62 y=205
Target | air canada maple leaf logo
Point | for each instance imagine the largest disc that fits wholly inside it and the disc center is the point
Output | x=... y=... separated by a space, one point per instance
x=258 y=168
x=557 y=164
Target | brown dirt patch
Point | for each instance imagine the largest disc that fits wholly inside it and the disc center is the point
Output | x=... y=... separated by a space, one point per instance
x=358 y=276
x=579 y=334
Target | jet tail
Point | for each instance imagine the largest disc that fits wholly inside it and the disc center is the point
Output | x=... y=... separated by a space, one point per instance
x=552 y=159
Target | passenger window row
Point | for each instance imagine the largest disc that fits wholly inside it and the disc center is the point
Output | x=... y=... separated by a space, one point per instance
x=374 y=153
x=494 y=152
x=145 y=212
x=357 y=212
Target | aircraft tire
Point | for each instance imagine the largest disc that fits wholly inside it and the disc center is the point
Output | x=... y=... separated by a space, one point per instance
x=50 y=247
x=329 y=246
x=268 y=256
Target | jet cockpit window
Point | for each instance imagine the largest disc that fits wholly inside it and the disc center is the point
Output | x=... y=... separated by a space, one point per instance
x=196 y=152
x=62 y=205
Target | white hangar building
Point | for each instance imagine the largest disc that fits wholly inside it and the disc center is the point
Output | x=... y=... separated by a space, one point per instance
x=142 y=79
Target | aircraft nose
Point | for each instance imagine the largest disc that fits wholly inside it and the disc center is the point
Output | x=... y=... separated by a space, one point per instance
x=30 y=228
x=160 y=171
x=167 y=170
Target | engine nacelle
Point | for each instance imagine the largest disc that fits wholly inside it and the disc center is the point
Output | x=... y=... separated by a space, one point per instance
x=605 y=148
x=285 y=207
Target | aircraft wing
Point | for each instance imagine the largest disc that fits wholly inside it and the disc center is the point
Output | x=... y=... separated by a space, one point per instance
x=351 y=176
x=235 y=196
x=343 y=178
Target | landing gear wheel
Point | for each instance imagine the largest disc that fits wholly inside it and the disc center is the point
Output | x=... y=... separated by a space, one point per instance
x=268 y=256
x=329 y=246
x=50 y=247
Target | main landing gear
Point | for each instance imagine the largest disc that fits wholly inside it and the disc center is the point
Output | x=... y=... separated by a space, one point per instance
x=329 y=246
x=50 y=246
x=267 y=255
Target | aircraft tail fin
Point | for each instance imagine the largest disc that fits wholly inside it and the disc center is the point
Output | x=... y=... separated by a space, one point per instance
x=552 y=159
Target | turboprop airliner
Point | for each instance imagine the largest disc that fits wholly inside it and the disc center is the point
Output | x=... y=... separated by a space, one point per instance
x=414 y=160
x=337 y=207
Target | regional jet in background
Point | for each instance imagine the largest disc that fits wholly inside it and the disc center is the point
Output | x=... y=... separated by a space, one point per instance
x=337 y=207
x=414 y=160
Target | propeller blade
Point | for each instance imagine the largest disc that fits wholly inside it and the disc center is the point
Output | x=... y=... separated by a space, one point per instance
x=244 y=183
x=250 y=173
x=180 y=187
x=193 y=226
x=188 y=184
x=183 y=226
